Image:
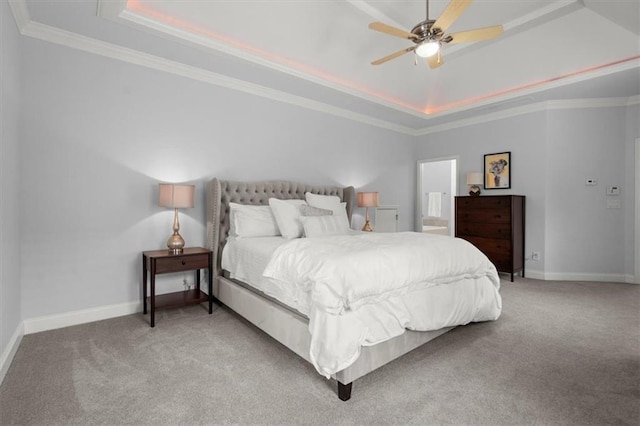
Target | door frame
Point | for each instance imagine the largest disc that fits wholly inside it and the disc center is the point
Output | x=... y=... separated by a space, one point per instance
x=454 y=184
x=636 y=248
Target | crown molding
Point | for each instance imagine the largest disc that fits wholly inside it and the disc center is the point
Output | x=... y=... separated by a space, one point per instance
x=532 y=108
x=20 y=12
x=62 y=37
x=366 y=8
x=117 y=11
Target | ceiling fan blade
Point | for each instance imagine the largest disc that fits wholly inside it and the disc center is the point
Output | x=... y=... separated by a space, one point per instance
x=435 y=61
x=476 y=35
x=451 y=13
x=388 y=29
x=393 y=56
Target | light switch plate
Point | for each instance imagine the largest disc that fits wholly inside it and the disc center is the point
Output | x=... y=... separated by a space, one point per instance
x=613 y=190
x=590 y=182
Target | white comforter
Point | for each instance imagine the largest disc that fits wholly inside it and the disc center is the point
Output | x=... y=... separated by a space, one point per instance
x=370 y=287
x=346 y=272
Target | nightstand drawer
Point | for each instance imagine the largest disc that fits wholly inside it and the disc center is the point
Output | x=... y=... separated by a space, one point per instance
x=181 y=263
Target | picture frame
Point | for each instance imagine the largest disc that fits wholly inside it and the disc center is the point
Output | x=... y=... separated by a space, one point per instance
x=497 y=170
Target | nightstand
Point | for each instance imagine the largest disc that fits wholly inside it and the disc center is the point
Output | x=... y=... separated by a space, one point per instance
x=163 y=262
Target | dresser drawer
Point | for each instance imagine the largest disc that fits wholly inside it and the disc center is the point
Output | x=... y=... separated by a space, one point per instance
x=182 y=263
x=492 y=247
x=498 y=252
x=483 y=216
x=499 y=230
x=487 y=202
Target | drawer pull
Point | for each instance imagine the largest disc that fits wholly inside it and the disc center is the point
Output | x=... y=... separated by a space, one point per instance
x=183 y=262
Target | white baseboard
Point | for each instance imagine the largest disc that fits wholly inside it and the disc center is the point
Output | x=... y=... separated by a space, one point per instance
x=576 y=276
x=536 y=275
x=51 y=322
x=10 y=351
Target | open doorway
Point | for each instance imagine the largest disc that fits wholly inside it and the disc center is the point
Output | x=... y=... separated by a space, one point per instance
x=435 y=199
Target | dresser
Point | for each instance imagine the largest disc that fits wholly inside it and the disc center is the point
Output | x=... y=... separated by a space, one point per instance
x=495 y=225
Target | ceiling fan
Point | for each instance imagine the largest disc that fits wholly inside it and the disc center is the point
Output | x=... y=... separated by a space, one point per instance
x=429 y=35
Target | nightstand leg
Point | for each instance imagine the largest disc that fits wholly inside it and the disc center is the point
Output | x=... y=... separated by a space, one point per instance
x=144 y=284
x=210 y=279
x=153 y=294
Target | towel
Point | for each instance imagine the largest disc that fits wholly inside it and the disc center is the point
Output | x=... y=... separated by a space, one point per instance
x=435 y=204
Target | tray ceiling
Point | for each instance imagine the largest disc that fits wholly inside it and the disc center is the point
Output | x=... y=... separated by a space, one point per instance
x=321 y=51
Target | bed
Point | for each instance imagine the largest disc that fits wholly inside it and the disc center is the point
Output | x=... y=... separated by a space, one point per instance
x=298 y=326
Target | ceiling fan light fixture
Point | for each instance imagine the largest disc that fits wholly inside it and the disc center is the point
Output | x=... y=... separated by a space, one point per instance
x=427 y=48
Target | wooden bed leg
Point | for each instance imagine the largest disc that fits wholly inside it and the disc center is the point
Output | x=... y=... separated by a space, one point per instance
x=344 y=391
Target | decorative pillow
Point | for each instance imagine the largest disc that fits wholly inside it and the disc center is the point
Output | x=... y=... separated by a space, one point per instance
x=307 y=210
x=287 y=214
x=318 y=226
x=328 y=202
x=251 y=221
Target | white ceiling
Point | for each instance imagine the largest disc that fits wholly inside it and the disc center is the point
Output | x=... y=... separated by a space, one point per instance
x=319 y=51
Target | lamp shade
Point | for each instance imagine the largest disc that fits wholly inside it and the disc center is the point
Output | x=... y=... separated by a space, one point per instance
x=368 y=199
x=176 y=196
x=475 y=178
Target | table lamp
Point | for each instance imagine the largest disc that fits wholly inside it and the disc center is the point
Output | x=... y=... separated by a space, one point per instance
x=176 y=197
x=474 y=180
x=367 y=199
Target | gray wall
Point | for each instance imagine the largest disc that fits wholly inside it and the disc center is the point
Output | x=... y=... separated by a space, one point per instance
x=10 y=247
x=553 y=152
x=101 y=134
x=582 y=235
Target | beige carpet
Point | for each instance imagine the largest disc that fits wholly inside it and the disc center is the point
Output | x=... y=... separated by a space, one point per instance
x=565 y=353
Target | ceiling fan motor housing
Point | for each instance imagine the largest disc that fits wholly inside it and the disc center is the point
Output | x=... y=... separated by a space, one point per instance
x=423 y=31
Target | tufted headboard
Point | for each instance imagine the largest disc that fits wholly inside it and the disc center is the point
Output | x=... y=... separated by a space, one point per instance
x=219 y=193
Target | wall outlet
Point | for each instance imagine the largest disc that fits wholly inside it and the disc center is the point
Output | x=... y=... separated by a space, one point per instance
x=535 y=256
x=613 y=203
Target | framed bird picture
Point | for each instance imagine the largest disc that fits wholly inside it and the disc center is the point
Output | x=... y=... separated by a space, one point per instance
x=497 y=170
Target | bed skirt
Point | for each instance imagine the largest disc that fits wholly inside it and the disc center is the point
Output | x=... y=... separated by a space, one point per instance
x=292 y=330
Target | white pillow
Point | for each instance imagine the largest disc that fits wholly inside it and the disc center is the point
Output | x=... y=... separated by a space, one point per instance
x=329 y=202
x=251 y=221
x=287 y=214
x=318 y=226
